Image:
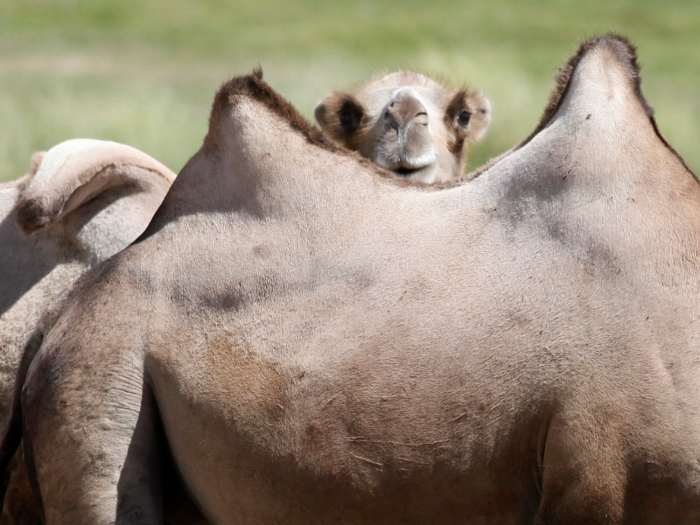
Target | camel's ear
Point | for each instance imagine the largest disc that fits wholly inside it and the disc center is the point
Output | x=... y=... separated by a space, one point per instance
x=339 y=115
x=78 y=171
x=480 y=108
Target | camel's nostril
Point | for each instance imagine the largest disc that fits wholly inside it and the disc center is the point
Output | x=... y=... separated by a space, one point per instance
x=390 y=119
x=421 y=118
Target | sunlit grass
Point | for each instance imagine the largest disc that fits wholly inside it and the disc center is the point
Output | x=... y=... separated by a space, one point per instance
x=144 y=72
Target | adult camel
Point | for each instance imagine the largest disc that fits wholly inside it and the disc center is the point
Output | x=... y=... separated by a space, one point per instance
x=313 y=342
x=80 y=203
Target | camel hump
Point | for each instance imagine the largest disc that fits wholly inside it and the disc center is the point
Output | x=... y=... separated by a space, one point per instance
x=598 y=114
x=75 y=171
x=602 y=79
x=253 y=88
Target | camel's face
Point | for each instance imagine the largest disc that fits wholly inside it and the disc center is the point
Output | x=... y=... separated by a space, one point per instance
x=409 y=124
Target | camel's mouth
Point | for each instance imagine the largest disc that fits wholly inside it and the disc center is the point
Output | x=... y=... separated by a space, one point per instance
x=425 y=174
x=421 y=168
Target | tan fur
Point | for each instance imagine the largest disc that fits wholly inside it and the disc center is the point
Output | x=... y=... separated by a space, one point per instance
x=321 y=345
x=80 y=203
x=409 y=124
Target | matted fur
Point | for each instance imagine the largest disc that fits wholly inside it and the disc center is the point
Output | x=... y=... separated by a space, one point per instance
x=254 y=86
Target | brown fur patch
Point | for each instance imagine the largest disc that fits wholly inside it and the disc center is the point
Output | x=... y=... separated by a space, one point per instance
x=328 y=114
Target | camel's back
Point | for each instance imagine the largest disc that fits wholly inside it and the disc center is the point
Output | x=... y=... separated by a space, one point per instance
x=455 y=357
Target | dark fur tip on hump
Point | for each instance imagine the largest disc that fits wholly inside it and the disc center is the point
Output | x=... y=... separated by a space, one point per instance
x=620 y=46
x=254 y=87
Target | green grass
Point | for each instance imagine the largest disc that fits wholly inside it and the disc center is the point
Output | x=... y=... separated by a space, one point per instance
x=144 y=72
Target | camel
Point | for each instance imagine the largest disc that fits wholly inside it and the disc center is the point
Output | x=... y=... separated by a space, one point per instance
x=81 y=202
x=311 y=340
x=409 y=124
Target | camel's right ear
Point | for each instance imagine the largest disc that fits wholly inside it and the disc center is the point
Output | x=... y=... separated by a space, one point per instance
x=77 y=171
x=480 y=107
x=339 y=115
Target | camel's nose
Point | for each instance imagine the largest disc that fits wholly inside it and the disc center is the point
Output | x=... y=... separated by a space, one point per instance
x=404 y=110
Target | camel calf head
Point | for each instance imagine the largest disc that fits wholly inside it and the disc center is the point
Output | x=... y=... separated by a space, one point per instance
x=409 y=124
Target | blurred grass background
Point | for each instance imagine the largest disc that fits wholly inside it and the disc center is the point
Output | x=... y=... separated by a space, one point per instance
x=144 y=72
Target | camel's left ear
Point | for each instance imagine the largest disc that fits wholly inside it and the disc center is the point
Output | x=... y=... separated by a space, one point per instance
x=77 y=171
x=339 y=115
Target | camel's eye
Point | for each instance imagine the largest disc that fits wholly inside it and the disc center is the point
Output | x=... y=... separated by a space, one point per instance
x=463 y=117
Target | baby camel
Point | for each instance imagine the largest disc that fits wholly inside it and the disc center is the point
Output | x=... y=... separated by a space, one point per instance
x=409 y=124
